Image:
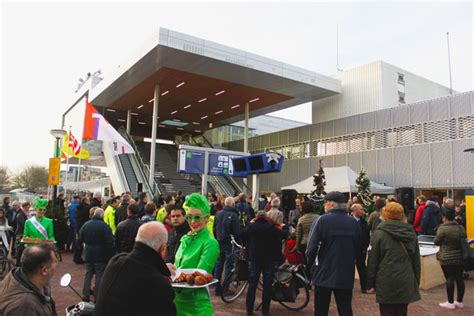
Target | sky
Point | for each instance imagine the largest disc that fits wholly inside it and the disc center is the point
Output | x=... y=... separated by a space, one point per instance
x=46 y=47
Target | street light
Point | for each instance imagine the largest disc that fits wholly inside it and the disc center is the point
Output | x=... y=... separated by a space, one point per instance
x=58 y=134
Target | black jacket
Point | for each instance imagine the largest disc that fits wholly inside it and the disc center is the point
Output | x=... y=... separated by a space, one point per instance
x=364 y=234
x=95 y=203
x=264 y=241
x=431 y=219
x=21 y=218
x=174 y=239
x=141 y=209
x=97 y=236
x=136 y=283
x=126 y=233
x=121 y=213
x=82 y=215
x=335 y=240
x=226 y=224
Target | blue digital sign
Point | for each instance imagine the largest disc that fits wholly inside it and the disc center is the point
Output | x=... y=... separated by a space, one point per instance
x=259 y=163
x=192 y=161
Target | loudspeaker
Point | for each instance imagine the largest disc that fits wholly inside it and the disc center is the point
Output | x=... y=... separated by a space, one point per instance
x=288 y=198
x=139 y=187
x=407 y=198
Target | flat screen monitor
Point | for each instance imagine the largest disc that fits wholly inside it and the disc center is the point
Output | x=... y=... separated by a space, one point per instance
x=239 y=165
x=256 y=163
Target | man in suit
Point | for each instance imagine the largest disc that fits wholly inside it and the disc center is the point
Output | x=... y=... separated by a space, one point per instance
x=358 y=213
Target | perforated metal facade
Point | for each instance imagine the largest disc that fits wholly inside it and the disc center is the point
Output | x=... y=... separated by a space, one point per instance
x=419 y=145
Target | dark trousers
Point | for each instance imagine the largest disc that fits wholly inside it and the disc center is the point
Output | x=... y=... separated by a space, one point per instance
x=71 y=239
x=362 y=271
x=254 y=275
x=91 y=269
x=224 y=263
x=393 y=309
x=19 y=251
x=322 y=299
x=454 y=274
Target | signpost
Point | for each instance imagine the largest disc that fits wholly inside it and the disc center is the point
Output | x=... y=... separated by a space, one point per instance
x=54 y=169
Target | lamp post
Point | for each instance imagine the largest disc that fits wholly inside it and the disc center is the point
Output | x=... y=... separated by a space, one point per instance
x=58 y=134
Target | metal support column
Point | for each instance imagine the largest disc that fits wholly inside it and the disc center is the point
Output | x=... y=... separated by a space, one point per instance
x=204 y=176
x=129 y=121
x=246 y=133
x=154 y=125
x=255 y=191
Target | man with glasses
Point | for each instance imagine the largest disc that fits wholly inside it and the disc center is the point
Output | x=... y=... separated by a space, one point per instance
x=180 y=228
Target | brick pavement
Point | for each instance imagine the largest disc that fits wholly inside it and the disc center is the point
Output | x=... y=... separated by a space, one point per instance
x=363 y=304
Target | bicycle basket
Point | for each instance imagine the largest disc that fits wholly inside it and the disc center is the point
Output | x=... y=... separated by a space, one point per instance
x=285 y=287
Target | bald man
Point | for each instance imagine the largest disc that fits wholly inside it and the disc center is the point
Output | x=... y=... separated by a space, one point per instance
x=137 y=283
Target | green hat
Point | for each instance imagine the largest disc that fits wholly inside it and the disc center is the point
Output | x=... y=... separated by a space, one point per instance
x=197 y=201
x=40 y=204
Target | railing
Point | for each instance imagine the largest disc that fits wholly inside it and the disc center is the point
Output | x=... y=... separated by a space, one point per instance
x=154 y=187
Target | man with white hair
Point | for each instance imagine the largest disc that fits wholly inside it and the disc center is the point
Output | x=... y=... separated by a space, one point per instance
x=136 y=283
x=274 y=213
x=99 y=247
x=226 y=224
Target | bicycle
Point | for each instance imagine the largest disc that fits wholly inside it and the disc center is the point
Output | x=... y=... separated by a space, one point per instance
x=6 y=264
x=237 y=281
x=288 y=282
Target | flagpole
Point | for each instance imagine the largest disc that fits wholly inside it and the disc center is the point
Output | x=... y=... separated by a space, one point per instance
x=67 y=161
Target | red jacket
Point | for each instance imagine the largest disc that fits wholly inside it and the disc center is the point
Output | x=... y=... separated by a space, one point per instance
x=418 y=216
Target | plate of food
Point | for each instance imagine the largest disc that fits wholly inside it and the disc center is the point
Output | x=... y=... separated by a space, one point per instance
x=192 y=279
x=27 y=240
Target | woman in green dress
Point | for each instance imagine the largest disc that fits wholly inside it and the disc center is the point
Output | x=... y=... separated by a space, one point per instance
x=39 y=226
x=198 y=249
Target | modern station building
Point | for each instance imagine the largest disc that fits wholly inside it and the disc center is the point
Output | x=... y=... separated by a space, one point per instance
x=405 y=130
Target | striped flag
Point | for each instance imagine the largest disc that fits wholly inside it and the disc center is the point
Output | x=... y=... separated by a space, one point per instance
x=74 y=144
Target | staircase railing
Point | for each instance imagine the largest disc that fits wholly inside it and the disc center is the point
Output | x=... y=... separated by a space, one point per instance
x=143 y=168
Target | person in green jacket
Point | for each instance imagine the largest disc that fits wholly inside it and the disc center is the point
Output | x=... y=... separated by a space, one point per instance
x=393 y=270
x=39 y=226
x=450 y=257
x=109 y=214
x=198 y=249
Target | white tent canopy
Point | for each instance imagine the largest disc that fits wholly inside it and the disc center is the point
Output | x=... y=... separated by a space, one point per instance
x=342 y=179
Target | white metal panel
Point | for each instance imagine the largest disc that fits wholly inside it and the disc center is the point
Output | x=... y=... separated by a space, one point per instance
x=402 y=167
x=440 y=165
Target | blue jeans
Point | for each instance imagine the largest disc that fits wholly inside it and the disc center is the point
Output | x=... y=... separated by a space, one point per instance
x=254 y=274
x=225 y=260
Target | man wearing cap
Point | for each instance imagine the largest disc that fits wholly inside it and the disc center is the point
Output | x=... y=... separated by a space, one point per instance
x=333 y=248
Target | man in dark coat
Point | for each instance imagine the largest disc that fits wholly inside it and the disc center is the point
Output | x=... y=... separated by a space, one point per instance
x=21 y=218
x=358 y=213
x=127 y=230
x=99 y=241
x=264 y=238
x=225 y=225
x=335 y=240
x=142 y=202
x=82 y=216
x=96 y=200
x=431 y=217
x=137 y=283
x=121 y=213
x=180 y=228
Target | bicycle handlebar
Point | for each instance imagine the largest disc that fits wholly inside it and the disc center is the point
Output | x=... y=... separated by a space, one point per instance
x=234 y=242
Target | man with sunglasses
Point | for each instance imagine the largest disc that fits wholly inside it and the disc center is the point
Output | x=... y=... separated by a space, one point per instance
x=180 y=228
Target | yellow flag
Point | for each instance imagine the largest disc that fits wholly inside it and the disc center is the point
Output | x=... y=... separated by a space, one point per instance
x=68 y=151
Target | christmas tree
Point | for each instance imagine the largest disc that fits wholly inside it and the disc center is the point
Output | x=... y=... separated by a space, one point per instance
x=319 y=181
x=363 y=188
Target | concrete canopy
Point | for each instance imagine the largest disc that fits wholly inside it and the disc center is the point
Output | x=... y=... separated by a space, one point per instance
x=203 y=85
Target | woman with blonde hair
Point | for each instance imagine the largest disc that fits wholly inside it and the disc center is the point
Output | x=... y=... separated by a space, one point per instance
x=393 y=270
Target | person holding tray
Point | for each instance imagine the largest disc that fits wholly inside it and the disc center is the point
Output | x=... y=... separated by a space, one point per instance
x=198 y=250
x=39 y=226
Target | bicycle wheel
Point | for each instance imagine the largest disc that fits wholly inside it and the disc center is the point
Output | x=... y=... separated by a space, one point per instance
x=302 y=299
x=233 y=287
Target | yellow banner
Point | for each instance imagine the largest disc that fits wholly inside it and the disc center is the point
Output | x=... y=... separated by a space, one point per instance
x=54 y=169
x=470 y=214
x=67 y=151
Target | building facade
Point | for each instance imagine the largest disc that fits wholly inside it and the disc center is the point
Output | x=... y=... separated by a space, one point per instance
x=418 y=145
x=374 y=87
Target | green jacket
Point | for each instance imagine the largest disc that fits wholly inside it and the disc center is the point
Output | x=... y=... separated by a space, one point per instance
x=394 y=270
x=31 y=231
x=448 y=237
x=197 y=250
x=109 y=218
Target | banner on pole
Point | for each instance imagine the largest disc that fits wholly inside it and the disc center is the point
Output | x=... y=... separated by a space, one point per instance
x=54 y=170
x=470 y=213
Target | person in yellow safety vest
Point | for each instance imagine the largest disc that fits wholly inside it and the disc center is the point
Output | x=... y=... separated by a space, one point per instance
x=166 y=209
x=109 y=215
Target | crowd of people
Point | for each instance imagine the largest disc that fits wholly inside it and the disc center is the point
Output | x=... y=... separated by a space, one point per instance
x=133 y=245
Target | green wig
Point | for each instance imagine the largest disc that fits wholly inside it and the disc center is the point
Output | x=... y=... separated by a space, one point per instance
x=197 y=201
x=40 y=204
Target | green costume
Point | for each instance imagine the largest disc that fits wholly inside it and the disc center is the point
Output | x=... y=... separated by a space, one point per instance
x=109 y=218
x=31 y=231
x=197 y=250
